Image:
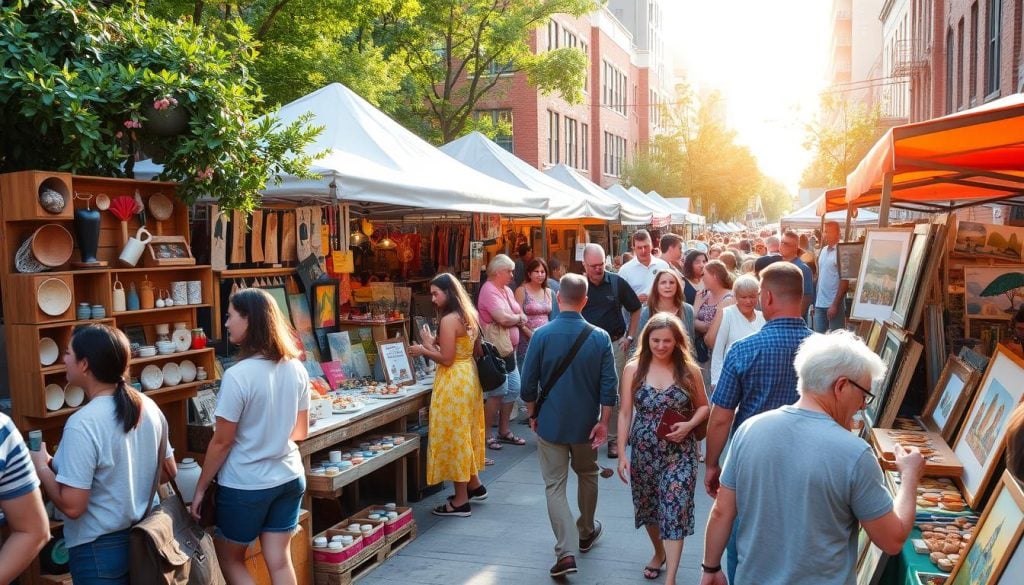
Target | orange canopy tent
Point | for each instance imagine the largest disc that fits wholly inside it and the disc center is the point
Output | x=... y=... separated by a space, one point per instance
x=968 y=158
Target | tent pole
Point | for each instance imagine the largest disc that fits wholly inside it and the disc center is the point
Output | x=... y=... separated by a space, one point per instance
x=849 y=222
x=883 y=209
x=543 y=238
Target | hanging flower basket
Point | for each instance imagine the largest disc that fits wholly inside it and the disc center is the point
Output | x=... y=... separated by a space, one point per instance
x=165 y=117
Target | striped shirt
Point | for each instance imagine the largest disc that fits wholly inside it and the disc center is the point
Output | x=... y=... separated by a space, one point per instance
x=758 y=373
x=17 y=476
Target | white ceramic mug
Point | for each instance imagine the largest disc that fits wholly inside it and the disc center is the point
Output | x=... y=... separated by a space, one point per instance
x=133 y=250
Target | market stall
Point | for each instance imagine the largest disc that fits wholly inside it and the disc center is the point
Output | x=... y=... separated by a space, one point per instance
x=943 y=291
x=809 y=218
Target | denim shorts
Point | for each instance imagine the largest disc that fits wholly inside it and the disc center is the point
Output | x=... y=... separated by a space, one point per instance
x=242 y=515
x=509 y=391
x=103 y=561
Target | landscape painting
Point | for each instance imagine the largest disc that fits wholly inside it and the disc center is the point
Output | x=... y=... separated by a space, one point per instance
x=993 y=292
x=881 y=269
x=988 y=240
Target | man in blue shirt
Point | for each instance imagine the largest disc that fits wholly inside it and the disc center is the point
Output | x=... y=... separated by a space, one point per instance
x=758 y=374
x=790 y=249
x=571 y=419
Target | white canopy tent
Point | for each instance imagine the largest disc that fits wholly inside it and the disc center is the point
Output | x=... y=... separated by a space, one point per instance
x=807 y=217
x=373 y=160
x=683 y=215
x=684 y=204
x=630 y=213
x=481 y=153
x=660 y=217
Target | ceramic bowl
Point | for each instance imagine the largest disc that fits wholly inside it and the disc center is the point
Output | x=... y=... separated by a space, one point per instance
x=48 y=351
x=152 y=377
x=147 y=351
x=54 y=397
x=74 y=396
x=53 y=297
x=188 y=371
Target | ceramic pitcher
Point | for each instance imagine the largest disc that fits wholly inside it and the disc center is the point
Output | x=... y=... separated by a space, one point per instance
x=119 y=301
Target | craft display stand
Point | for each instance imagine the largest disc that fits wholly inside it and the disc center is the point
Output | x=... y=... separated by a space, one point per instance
x=20 y=215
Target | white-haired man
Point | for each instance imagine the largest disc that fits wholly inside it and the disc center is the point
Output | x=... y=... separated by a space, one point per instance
x=802 y=506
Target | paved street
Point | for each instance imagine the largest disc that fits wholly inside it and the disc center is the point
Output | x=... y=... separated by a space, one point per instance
x=508 y=540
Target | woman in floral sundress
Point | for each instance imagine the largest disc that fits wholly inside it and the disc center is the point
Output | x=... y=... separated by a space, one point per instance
x=662 y=472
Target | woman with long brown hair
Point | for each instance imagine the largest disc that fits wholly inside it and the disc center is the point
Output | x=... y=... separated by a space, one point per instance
x=666 y=296
x=262 y=409
x=456 y=449
x=662 y=472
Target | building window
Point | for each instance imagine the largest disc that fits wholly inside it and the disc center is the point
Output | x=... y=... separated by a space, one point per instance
x=553 y=130
x=973 y=65
x=993 y=17
x=614 y=154
x=584 y=146
x=552 y=35
x=949 y=70
x=586 y=71
x=570 y=142
x=500 y=119
x=960 y=64
x=614 y=87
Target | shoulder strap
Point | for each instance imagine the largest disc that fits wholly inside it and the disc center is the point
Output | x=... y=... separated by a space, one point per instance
x=614 y=279
x=162 y=449
x=545 y=389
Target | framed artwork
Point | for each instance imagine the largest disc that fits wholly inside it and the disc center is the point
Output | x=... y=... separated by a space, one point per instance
x=310 y=271
x=553 y=237
x=325 y=304
x=891 y=349
x=168 y=251
x=935 y=342
x=925 y=252
x=395 y=361
x=979 y=443
x=996 y=538
x=419 y=323
x=298 y=306
x=899 y=380
x=281 y=298
x=885 y=258
x=990 y=241
x=950 y=397
x=993 y=292
x=871 y=565
x=876 y=336
x=1014 y=568
x=860 y=328
x=848 y=257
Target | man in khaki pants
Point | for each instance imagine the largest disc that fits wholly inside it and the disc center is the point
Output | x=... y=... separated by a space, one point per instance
x=570 y=399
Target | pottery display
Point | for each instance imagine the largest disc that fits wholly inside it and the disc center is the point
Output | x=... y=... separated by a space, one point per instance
x=182 y=339
x=147 y=296
x=54 y=397
x=152 y=377
x=87 y=229
x=74 y=396
x=54 y=297
x=48 y=351
x=188 y=371
x=172 y=374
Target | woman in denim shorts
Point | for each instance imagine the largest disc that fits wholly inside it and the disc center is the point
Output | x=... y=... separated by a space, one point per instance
x=262 y=409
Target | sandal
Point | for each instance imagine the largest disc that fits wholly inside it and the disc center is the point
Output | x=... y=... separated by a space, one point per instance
x=511 y=439
x=495 y=443
x=652 y=573
x=488 y=461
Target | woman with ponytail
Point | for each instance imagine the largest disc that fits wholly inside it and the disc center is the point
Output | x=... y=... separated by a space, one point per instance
x=262 y=409
x=102 y=475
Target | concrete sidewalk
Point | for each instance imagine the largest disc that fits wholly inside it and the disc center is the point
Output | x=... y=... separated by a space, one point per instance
x=508 y=539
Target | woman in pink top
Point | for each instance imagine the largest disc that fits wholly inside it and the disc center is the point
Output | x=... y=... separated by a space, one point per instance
x=536 y=299
x=501 y=317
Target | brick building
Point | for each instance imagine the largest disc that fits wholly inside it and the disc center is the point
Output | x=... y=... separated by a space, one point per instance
x=624 y=85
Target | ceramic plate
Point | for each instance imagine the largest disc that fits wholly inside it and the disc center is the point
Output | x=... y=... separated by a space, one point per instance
x=74 y=396
x=54 y=397
x=152 y=377
x=188 y=371
x=48 y=351
x=182 y=339
x=53 y=297
x=387 y=396
x=172 y=374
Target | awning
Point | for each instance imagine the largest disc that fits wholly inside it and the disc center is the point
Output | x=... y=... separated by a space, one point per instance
x=962 y=159
x=630 y=213
x=809 y=216
x=661 y=217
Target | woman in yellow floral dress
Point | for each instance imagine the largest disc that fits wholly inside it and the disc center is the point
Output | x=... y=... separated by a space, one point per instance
x=456 y=449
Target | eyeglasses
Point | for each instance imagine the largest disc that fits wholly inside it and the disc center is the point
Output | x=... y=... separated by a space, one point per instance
x=868 y=396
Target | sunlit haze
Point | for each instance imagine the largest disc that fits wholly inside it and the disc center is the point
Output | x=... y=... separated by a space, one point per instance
x=768 y=59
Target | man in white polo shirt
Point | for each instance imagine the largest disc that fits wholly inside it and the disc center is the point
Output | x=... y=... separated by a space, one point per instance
x=639 y=272
x=830 y=299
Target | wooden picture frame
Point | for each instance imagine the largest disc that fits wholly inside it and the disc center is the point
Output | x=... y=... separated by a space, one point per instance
x=945 y=408
x=900 y=380
x=168 y=251
x=871 y=565
x=848 y=257
x=324 y=302
x=917 y=259
x=876 y=336
x=860 y=328
x=935 y=342
x=878 y=281
x=393 y=355
x=996 y=537
x=891 y=353
x=980 y=442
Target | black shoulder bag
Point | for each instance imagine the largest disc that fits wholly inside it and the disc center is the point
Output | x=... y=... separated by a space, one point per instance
x=490 y=366
x=563 y=365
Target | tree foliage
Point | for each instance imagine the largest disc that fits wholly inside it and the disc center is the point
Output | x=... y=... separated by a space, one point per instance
x=81 y=88
x=841 y=137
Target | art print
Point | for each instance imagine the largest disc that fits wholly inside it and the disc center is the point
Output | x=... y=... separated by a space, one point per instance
x=881 y=270
x=997 y=536
x=993 y=292
x=395 y=361
x=989 y=240
x=912 y=286
x=979 y=445
x=890 y=355
x=298 y=306
x=325 y=304
x=848 y=258
x=945 y=408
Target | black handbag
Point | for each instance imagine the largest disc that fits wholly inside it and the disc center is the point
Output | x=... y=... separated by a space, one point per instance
x=490 y=366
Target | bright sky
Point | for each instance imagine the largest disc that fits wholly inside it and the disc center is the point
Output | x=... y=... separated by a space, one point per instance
x=768 y=59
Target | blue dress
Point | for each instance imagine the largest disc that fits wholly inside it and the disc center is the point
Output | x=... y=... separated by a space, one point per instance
x=663 y=474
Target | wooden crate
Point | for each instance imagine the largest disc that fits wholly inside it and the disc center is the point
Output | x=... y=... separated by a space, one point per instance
x=24 y=304
x=356 y=567
x=401 y=538
x=21 y=195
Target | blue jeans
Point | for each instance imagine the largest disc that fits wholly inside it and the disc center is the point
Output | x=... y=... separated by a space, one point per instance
x=103 y=561
x=822 y=324
x=509 y=391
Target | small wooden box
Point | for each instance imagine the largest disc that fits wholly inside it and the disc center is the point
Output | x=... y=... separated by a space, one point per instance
x=168 y=251
x=943 y=462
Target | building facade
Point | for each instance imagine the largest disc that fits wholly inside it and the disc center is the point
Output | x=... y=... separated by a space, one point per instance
x=982 y=44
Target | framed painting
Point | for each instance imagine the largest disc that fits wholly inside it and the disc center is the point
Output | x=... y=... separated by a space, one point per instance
x=996 y=538
x=987 y=240
x=991 y=291
x=979 y=444
x=871 y=565
x=848 y=257
x=885 y=258
x=135 y=334
x=395 y=361
x=281 y=298
x=950 y=397
x=899 y=380
x=298 y=306
x=860 y=328
x=876 y=336
x=935 y=342
x=1014 y=568
x=926 y=251
x=325 y=304
x=891 y=350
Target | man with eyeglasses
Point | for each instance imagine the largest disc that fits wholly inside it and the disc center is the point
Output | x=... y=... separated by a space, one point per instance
x=837 y=483
x=608 y=295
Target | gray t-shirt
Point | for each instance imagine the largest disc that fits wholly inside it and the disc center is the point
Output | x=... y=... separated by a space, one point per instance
x=118 y=468
x=802 y=483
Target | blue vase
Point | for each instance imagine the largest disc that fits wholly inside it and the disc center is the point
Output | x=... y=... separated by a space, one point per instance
x=132 y=302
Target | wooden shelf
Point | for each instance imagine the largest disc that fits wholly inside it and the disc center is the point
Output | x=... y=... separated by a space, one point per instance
x=171 y=356
x=174 y=393
x=329 y=486
x=160 y=310
x=145 y=269
x=76 y=323
x=248 y=272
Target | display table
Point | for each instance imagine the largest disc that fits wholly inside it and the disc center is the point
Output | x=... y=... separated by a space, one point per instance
x=903 y=568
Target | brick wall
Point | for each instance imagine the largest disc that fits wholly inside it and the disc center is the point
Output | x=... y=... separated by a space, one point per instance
x=1009 y=54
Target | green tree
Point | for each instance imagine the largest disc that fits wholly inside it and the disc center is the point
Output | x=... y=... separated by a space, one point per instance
x=83 y=89
x=841 y=137
x=776 y=199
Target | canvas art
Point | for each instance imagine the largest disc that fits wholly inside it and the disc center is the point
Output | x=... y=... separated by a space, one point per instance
x=925 y=249
x=882 y=267
x=997 y=535
x=989 y=240
x=890 y=354
x=949 y=398
x=848 y=257
x=298 y=306
x=993 y=292
x=281 y=298
x=979 y=444
x=325 y=304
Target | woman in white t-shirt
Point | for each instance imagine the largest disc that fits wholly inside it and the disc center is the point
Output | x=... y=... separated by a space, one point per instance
x=734 y=323
x=101 y=478
x=262 y=409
